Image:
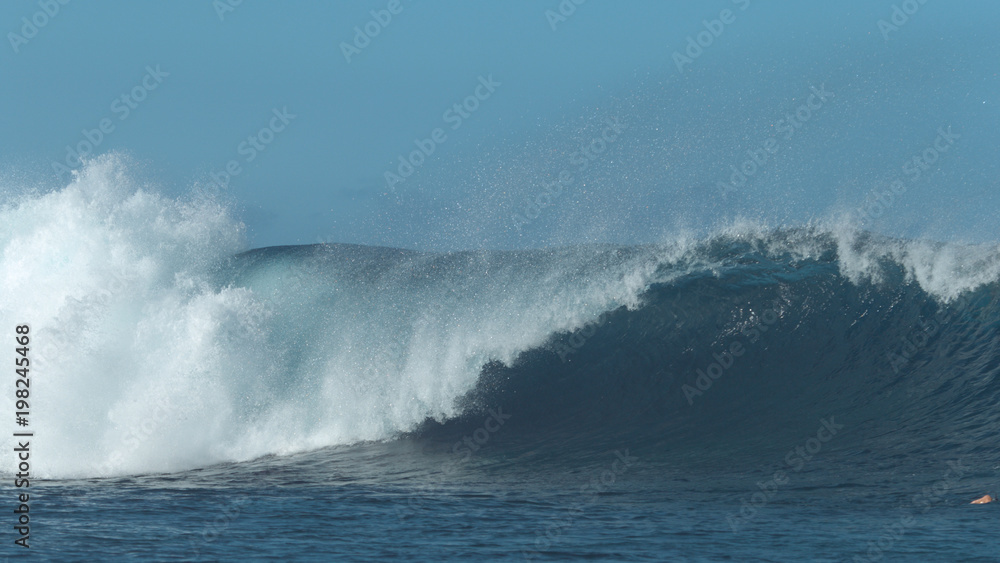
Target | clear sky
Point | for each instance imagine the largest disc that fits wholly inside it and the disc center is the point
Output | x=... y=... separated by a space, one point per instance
x=311 y=103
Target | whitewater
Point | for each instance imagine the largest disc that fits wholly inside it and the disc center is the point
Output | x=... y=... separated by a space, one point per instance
x=166 y=354
x=166 y=345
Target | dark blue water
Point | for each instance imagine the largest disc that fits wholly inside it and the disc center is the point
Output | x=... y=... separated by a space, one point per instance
x=768 y=396
x=649 y=514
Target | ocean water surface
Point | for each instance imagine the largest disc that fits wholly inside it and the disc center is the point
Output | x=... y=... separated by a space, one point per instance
x=721 y=286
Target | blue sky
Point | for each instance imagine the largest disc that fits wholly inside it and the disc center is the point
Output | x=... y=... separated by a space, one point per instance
x=217 y=75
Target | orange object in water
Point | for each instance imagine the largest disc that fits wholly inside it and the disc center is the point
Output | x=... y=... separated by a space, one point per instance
x=983 y=500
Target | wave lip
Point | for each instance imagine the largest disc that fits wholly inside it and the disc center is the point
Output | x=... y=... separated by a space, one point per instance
x=163 y=345
x=748 y=360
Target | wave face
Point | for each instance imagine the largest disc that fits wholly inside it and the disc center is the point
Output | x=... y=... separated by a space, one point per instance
x=161 y=345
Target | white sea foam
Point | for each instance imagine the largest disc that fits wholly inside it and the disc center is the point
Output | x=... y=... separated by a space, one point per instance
x=141 y=363
x=144 y=362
